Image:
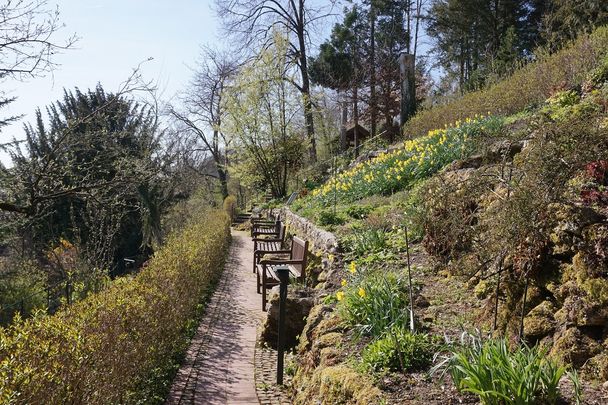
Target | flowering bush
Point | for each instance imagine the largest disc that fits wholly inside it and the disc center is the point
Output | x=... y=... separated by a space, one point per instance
x=418 y=159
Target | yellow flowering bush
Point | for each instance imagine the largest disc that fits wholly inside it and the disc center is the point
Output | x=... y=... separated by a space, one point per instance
x=417 y=159
x=111 y=346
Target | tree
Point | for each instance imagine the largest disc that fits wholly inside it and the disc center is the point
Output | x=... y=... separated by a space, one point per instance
x=565 y=19
x=204 y=110
x=470 y=36
x=262 y=110
x=92 y=175
x=253 y=21
x=27 y=45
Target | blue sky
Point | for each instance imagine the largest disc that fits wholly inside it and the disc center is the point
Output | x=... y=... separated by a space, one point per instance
x=115 y=37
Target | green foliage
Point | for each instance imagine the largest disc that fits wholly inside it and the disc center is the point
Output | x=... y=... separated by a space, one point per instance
x=359 y=211
x=530 y=85
x=327 y=217
x=374 y=302
x=399 y=350
x=400 y=169
x=229 y=206
x=108 y=347
x=500 y=376
x=365 y=241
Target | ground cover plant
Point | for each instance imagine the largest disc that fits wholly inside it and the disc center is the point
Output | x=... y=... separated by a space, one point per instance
x=498 y=375
x=113 y=346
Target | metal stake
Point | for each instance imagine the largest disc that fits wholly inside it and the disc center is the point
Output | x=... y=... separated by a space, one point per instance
x=283 y=274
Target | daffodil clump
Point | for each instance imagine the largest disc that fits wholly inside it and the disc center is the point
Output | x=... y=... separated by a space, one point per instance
x=418 y=159
x=372 y=302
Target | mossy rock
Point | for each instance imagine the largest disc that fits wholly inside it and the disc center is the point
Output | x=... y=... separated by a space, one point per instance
x=482 y=290
x=330 y=356
x=540 y=321
x=338 y=385
x=315 y=316
x=332 y=339
x=574 y=347
x=580 y=311
x=596 y=368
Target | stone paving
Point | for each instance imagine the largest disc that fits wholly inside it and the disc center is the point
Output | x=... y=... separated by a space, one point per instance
x=223 y=364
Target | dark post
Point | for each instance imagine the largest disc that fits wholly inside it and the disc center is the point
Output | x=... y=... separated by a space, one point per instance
x=283 y=274
x=408 y=87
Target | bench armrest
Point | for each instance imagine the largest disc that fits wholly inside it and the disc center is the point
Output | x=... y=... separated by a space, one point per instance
x=271 y=252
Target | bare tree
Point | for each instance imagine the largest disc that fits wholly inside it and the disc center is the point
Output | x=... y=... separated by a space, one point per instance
x=253 y=21
x=203 y=110
x=27 y=46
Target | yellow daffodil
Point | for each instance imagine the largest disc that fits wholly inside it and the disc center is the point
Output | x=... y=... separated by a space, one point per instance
x=352 y=268
x=340 y=295
x=343 y=282
x=361 y=292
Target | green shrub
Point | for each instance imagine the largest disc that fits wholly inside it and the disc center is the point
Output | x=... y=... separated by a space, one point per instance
x=365 y=241
x=500 y=376
x=374 y=302
x=359 y=211
x=113 y=345
x=230 y=206
x=327 y=217
x=531 y=85
x=399 y=350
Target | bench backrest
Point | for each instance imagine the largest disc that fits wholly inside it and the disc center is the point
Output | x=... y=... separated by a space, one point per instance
x=299 y=251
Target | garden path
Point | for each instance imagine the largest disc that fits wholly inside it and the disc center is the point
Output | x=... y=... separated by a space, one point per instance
x=219 y=365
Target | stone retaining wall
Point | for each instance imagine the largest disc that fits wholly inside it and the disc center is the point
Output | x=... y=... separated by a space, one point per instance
x=322 y=243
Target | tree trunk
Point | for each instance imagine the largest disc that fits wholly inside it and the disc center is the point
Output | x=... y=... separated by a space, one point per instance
x=343 y=140
x=408 y=87
x=308 y=113
x=372 y=76
x=356 y=119
x=223 y=177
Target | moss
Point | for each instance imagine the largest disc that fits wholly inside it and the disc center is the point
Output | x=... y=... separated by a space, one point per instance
x=596 y=367
x=338 y=385
x=540 y=321
x=574 y=347
x=482 y=289
x=333 y=339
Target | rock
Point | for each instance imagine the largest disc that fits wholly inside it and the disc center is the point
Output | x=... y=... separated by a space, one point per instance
x=540 y=321
x=605 y=386
x=316 y=315
x=298 y=305
x=567 y=236
x=579 y=312
x=597 y=367
x=504 y=150
x=572 y=346
x=473 y=162
x=329 y=356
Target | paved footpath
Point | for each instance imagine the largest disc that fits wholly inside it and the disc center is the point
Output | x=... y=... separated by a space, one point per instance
x=219 y=365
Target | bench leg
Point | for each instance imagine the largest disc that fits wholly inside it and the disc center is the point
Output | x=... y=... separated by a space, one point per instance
x=257 y=274
x=263 y=288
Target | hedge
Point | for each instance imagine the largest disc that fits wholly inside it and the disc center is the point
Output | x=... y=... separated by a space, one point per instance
x=105 y=348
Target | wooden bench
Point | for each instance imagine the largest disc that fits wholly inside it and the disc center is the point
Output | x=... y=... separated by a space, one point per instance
x=295 y=260
x=264 y=227
x=267 y=243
